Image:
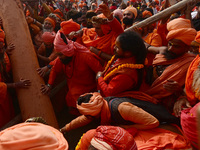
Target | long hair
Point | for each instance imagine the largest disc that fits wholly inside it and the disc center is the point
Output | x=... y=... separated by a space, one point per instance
x=132 y=42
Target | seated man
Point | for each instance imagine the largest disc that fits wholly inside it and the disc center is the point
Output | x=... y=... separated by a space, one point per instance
x=172 y=62
x=78 y=64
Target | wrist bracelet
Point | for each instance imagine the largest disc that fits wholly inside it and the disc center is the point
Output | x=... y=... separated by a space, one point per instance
x=49 y=66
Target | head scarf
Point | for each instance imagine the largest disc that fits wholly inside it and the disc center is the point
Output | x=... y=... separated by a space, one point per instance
x=113 y=138
x=67 y=49
x=80 y=5
x=119 y=13
x=48 y=37
x=181 y=29
x=131 y=9
x=2 y=35
x=93 y=107
x=32 y=136
x=51 y=20
x=69 y=26
x=145 y=13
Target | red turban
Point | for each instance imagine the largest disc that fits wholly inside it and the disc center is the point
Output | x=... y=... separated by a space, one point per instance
x=115 y=138
x=48 y=37
x=67 y=49
x=69 y=26
x=32 y=136
x=131 y=9
x=145 y=13
x=181 y=29
x=2 y=35
x=189 y=124
x=51 y=20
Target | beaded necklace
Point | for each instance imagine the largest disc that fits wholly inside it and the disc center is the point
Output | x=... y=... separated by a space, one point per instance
x=111 y=73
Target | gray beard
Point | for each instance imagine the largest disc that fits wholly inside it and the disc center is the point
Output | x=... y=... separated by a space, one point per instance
x=47 y=30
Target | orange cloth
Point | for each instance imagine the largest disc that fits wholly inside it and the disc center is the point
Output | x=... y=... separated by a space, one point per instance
x=69 y=26
x=105 y=43
x=176 y=71
x=51 y=8
x=80 y=74
x=93 y=107
x=86 y=139
x=48 y=37
x=181 y=29
x=35 y=136
x=197 y=38
x=162 y=31
x=132 y=9
x=51 y=20
x=158 y=138
x=189 y=80
x=146 y=13
x=153 y=39
x=2 y=35
x=114 y=138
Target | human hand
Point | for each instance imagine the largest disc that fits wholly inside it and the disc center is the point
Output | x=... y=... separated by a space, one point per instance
x=10 y=48
x=42 y=71
x=106 y=11
x=45 y=89
x=29 y=19
x=172 y=86
x=180 y=105
x=63 y=130
x=23 y=83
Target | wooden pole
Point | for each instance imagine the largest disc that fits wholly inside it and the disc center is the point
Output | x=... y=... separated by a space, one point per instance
x=24 y=63
x=163 y=14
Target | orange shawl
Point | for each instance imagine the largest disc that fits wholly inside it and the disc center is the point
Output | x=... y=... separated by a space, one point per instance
x=189 y=79
x=176 y=71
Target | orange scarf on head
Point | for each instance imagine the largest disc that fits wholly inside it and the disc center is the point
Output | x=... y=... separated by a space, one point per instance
x=189 y=80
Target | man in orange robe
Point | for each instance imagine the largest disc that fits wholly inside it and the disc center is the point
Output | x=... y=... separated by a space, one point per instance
x=78 y=64
x=170 y=66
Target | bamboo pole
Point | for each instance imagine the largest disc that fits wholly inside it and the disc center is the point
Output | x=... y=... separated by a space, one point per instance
x=24 y=63
x=161 y=15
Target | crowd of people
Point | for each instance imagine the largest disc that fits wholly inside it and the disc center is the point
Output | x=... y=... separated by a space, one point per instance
x=133 y=81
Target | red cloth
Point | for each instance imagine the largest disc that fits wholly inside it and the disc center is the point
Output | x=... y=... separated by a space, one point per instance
x=48 y=37
x=176 y=71
x=105 y=43
x=115 y=137
x=189 y=124
x=80 y=74
x=157 y=139
x=120 y=82
x=6 y=106
x=2 y=35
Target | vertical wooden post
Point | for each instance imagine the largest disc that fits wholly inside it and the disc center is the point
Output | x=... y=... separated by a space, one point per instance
x=24 y=63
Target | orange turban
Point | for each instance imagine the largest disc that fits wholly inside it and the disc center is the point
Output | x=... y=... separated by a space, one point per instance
x=80 y=5
x=131 y=9
x=59 y=12
x=113 y=138
x=48 y=37
x=51 y=20
x=32 y=136
x=197 y=38
x=93 y=107
x=51 y=8
x=2 y=35
x=146 y=13
x=181 y=29
x=69 y=26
